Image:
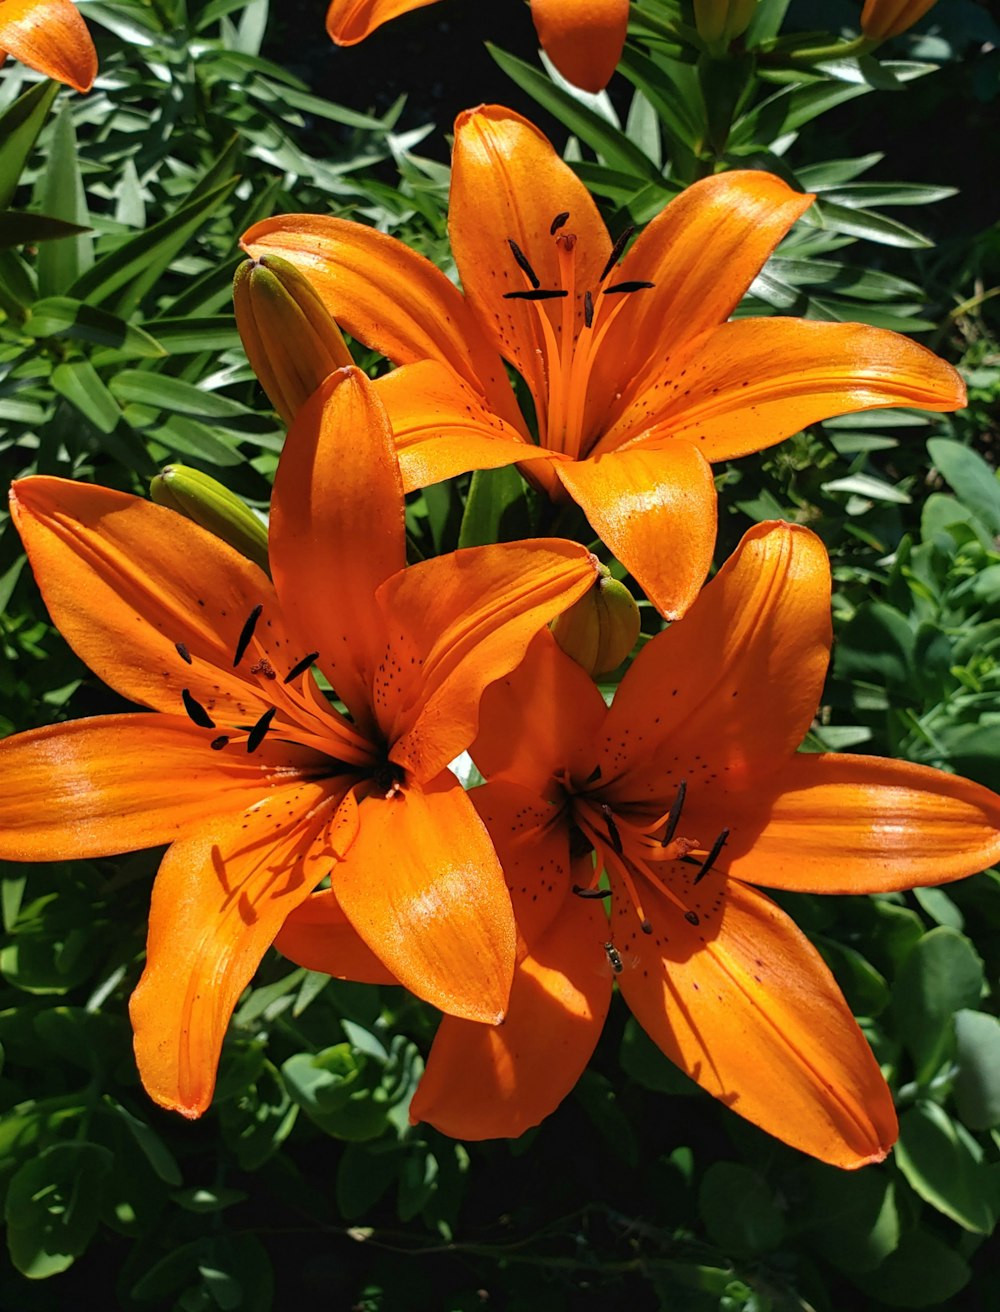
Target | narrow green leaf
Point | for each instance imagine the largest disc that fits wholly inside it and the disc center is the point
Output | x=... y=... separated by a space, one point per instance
x=60 y=193
x=17 y=228
x=78 y=382
x=20 y=124
x=862 y=223
x=173 y=394
x=62 y=316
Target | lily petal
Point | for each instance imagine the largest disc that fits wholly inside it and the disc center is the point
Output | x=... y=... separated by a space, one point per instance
x=350 y=21
x=493 y=1082
x=119 y=783
x=337 y=485
x=656 y=510
x=732 y=690
x=701 y=253
x=754 y=382
x=442 y=428
x=745 y=1005
x=218 y=902
x=126 y=581
x=387 y=296
x=583 y=38
x=423 y=887
x=508 y=184
x=319 y=936
x=457 y=623
x=50 y=36
x=856 y=824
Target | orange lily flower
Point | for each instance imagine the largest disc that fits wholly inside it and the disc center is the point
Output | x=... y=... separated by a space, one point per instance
x=691 y=793
x=50 y=36
x=882 y=19
x=261 y=787
x=636 y=378
x=583 y=38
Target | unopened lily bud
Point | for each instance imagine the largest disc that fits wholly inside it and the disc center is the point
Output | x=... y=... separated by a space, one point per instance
x=721 y=21
x=207 y=502
x=288 y=334
x=600 y=629
x=881 y=19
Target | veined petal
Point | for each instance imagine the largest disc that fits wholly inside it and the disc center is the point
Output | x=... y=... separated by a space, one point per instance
x=218 y=901
x=457 y=623
x=350 y=21
x=126 y=581
x=496 y=1081
x=656 y=510
x=701 y=253
x=583 y=38
x=726 y=695
x=123 y=782
x=744 y=1004
x=319 y=936
x=508 y=184
x=50 y=36
x=543 y=718
x=754 y=382
x=856 y=824
x=387 y=296
x=337 y=531
x=443 y=428
x=423 y=887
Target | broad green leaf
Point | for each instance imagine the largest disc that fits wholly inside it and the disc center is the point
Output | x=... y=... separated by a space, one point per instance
x=739 y=1210
x=63 y=316
x=20 y=124
x=944 y=1165
x=970 y=477
x=60 y=193
x=876 y=646
x=53 y=1207
x=977 y=1084
x=924 y=1271
x=851 y=1216
x=496 y=508
x=941 y=976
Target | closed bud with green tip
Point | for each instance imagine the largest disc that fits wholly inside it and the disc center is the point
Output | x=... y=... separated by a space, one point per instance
x=288 y=334
x=720 y=21
x=600 y=629
x=207 y=502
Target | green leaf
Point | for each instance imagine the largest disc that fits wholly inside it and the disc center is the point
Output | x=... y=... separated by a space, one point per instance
x=944 y=1165
x=739 y=1210
x=643 y=1062
x=53 y=1207
x=852 y=1217
x=495 y=509
x=60 y=193
x=973 y=481
x=942 y=975
x=156 y=1152
x=63 y=316
x=862 y=223
x=922 y=1272
x=79 y=383
x=876 y=646
x=190 y=334
x=139 y=387
x=597 y=1095
x=977 y=1086
x=18 y=228
x=20 y=124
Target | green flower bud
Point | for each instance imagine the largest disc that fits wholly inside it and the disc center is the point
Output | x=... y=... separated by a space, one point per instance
x=720 y=21
x=600 y=629
x=203 y=499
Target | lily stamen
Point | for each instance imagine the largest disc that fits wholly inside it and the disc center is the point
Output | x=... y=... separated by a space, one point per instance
x=617 y=250
x=183 y=653
x=300 y=667
x=217 y=744
x=256 y=734
x=590 y=893
x=246 y=634
x=674 y=814
x=558 y=222
x=524 y=264
x=713 y=854
x=195 y=711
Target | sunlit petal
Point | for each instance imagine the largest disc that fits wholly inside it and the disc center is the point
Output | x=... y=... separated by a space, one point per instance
x=350 y=21
x=583 y=38
x=50 y=36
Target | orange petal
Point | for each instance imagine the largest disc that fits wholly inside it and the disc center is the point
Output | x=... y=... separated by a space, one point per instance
x=442 y=428
x=319 y=936
x=337 y=531
x=744 y=1004
x=856 y=824
x=728 y=693
x=457 y=623
x=508 y=184
x=387 y=296
x=583 y=38
x=423 y=887
x=701 y=253
x=543 y=718
x=218 y=901
x=123 y=782
x=350 y=21
x=754 y=382
x=50 y=36
x=126 y=581
x=493 y=1082
x=656 y=510
x=881 y=19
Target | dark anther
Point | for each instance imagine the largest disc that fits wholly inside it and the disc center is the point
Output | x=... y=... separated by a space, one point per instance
x=717 y=847
x=256 y=736
x=217 y=744
x=588 y=309
x=183 y=652
x=613 y=834
x=558 y=222
x=677 y=806
x=614 y=957
x=541 y=295
x=692 y=917
x=646 y=927
x=636 y=286
x=591 y=892
x=522 y=262
x=300 y=667
x=196 y=711
x=594 y=775
x=246 y=633
x=616 y=251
